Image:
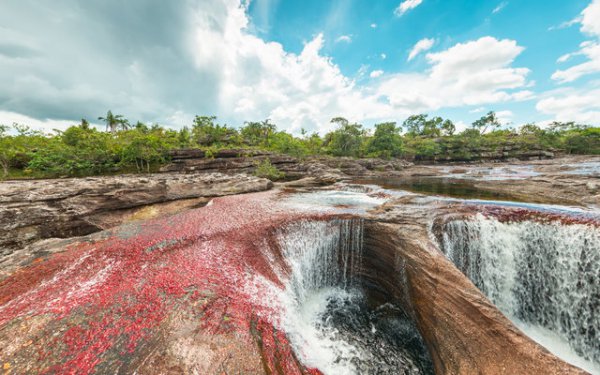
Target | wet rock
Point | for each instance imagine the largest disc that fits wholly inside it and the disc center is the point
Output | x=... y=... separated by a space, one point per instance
x=464 y=332
x=189 y=294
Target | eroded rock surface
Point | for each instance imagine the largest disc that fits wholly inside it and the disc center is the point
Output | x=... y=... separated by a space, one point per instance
x=186 y=294
x=567 y=181
x=39 y=209
x=323 y=170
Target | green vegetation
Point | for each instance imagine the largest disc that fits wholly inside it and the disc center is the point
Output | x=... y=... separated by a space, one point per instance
x=267 y=170
x=84 y=150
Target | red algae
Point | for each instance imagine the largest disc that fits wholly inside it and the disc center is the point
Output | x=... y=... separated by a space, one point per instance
x=519 y=214
x=101 y=303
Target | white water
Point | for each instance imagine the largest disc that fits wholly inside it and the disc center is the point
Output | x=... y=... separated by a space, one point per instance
x=322 y=306
x=544 y=276
x=313 y=251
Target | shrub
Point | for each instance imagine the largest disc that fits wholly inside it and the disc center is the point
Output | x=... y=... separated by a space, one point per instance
x=265 y=169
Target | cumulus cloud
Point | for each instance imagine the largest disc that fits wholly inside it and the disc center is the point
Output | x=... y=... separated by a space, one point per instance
x=421 y=46
x=373 y=25
x=589 y=19
x=505 y=117
x=376 y=73
x=589 y=49
x=178 y=60
x=472 y=73
x=572 y=105
x=200 y=57
x=406 y=5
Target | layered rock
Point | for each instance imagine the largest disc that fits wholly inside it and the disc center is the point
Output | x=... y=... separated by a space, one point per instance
x=566 y=181
x=324 y=170
x=464 y=332
x=40 y=209
x=167 y=296
x=186 y=294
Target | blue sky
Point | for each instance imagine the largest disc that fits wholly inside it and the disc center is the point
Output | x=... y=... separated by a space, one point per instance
x=299 y=63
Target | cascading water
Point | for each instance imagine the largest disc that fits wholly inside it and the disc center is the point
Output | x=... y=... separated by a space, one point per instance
x=544 y=276
x=326 y=315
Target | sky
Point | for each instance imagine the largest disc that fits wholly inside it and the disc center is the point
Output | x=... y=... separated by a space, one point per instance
x=299 y=63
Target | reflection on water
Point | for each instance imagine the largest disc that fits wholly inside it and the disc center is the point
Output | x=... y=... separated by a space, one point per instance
x=437 y=186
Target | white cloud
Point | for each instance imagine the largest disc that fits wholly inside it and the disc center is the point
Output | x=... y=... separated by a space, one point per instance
x=473 y=73
x=46 y=125
x=566 y=24
x=590 y=25
x=590 y=18
x=572 y=105
x=500 y=6
x=460 y=126
x=344 y=38
x=376 y=73
x=421 y=46
x=212 y=63
x=589 y=49
x=477 y=110
x=383 y=56
x=564 y=58
x=406 y=5
x=373 y=25
x=505 y=117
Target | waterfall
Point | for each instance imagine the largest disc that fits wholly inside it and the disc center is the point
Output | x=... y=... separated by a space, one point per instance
x=321 y=254
x=542 y=274
x=325 y=314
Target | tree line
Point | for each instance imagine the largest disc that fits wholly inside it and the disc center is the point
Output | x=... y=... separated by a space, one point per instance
x=124 y=147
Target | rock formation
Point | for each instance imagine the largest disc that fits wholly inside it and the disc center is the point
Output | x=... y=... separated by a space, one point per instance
x=38 y=209
x=191 y=293
x=324 y=170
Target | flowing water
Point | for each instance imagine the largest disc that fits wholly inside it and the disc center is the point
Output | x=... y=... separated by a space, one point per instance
x=327 y=318
x=544 y=276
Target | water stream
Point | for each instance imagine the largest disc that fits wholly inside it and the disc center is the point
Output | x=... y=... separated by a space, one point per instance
x=327 y=318
x=544 y=276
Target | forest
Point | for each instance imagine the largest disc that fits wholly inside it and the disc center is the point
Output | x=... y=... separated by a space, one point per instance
x=123 y=147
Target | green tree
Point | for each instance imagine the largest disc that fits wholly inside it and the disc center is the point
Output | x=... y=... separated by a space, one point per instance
x=6 y=149
x=114 y=122
x=423 y=126
x=386 y=141
x=487 y=122
x=206 y=132
x=347 y=139
x=258 y=133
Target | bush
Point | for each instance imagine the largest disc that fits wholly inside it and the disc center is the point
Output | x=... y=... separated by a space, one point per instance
x=265 y=169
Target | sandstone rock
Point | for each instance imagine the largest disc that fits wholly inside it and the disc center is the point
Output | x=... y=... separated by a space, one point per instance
x=240 y=160
x=36 y=209
x=169 y=296
x=465 y=333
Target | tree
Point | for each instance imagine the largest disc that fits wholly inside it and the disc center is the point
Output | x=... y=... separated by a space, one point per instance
x=347 y=139
x=386 y=141
x=415 y=124
x=423 y=126
x=206 y=132
x=258 y=133
x=114 y=122
x=487 y=122
x=84 y=124
x=448 y=127
x=5 y=149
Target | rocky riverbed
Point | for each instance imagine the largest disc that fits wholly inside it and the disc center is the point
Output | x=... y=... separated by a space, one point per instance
x=300 y=279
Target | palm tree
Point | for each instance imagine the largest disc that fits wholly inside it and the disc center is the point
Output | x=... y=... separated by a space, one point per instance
x=113 y=122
